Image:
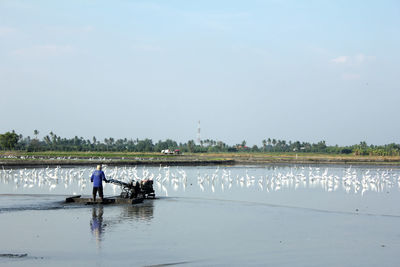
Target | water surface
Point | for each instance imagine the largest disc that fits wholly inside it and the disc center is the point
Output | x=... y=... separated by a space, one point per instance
x=205 y=216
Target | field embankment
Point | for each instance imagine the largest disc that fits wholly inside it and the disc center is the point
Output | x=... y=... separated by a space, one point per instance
x=20 y=158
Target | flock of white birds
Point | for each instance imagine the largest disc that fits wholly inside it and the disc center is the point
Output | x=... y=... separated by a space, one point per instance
x=221 y=179
x=311 y=177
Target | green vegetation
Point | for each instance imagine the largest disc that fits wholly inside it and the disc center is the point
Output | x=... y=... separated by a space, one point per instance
x=9 y=140
x=53 y=145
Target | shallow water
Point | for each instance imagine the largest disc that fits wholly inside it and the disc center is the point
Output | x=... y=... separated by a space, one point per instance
x=207 y=216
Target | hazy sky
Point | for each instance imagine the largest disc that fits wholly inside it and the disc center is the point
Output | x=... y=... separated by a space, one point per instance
x=248 y=70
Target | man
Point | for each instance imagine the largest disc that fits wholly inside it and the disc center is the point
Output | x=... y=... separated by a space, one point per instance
x=97 y=179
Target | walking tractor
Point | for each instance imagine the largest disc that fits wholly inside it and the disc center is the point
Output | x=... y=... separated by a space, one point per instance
x=135 y=189
x=132 y=193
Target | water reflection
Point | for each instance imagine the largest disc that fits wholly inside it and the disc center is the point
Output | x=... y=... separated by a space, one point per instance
x=143 y=212
x=116 y=215
x=96 y=223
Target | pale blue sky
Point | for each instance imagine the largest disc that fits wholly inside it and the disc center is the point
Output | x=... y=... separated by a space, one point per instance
x=249 y=70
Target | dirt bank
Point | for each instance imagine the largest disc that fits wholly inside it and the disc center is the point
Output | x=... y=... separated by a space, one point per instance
x=156 y=159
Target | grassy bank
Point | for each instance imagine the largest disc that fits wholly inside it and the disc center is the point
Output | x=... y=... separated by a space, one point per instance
x=135 y=158
x=77 y=154
x=307 y=158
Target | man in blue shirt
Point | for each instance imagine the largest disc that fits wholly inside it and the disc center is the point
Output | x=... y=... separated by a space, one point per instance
x=97 y=179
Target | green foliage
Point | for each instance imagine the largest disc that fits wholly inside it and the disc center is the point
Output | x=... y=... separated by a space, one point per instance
x=167 y=144
x=8 y=140
x=145 y=145
x=52 y=142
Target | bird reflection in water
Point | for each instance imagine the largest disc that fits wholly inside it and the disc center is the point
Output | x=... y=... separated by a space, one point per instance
x=96 y=223
x=142 y=212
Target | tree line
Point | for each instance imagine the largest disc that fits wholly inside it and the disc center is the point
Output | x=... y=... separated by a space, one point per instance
x=52 y=142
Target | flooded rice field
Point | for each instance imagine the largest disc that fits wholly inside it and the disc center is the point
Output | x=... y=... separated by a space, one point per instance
x=204 y=216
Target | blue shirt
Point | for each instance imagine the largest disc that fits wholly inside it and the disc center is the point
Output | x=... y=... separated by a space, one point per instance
x=97 y=178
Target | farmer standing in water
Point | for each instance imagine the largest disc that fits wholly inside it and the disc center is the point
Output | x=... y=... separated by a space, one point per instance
x=97 y=179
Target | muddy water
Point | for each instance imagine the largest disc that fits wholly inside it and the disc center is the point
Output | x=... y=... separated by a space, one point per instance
x=233 y=216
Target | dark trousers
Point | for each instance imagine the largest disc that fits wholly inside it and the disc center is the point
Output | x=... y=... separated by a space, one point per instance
x=97 y=189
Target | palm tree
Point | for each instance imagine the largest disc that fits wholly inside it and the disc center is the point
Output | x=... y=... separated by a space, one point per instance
x=264 y=143
x=190 y=146
x=274 y=143
x=47 y=140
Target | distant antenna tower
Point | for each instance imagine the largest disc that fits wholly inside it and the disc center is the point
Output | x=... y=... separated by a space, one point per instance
x=198 y=134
